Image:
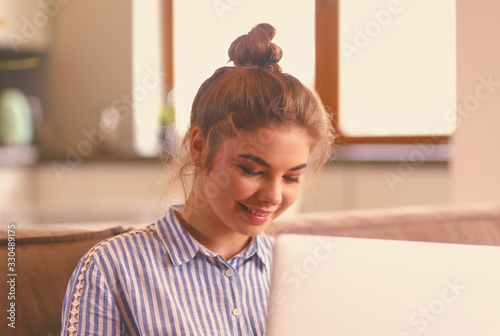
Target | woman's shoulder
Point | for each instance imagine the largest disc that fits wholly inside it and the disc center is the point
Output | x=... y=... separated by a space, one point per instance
x=129 y=241
x=132 y=234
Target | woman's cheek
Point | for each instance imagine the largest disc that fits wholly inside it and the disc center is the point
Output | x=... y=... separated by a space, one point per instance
x=290 y=195
x=244 y=186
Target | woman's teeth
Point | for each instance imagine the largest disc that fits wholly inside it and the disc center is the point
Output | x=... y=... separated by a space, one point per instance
x=255 y=212
x=260 y=214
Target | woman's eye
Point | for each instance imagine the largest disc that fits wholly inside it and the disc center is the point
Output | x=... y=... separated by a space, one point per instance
x=292 y=179
x=249 y=171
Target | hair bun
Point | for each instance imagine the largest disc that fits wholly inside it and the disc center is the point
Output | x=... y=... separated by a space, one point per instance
x=256 y=48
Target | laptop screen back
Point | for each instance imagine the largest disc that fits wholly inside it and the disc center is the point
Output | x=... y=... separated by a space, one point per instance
x=356 y=286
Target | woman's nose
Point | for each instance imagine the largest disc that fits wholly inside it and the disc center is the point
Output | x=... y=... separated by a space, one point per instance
x=270 y=193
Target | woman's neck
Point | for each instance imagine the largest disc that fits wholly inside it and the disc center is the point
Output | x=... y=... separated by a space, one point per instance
x=215 y=237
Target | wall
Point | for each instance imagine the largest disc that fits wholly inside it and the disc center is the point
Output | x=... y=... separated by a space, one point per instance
x=356 y=185
x=476 y=157
x=100 y=192
x=17 y=194
x=137 y=190
x=87 y=68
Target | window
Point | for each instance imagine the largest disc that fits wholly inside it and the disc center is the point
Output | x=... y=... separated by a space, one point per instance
x=148 y=78
x=387 y=68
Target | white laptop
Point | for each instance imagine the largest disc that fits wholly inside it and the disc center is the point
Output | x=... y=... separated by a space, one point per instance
x=372 y=287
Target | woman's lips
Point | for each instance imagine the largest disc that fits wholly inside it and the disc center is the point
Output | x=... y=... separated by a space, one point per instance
x=262 y=214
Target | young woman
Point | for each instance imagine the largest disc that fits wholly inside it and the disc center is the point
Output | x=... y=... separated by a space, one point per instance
x=204 y=268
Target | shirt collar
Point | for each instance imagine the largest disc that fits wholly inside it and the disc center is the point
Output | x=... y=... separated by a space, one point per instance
x=260 y=246
x=182 y=247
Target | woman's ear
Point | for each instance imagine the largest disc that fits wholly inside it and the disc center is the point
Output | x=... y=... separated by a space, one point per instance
x=196 y=145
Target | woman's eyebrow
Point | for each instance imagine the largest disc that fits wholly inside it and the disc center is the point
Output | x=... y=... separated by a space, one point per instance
x=255 y=159
x=265 y=164
x=299 y=167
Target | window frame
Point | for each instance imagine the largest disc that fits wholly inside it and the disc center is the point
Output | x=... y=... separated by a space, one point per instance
x=168 y=44
x=327 y=74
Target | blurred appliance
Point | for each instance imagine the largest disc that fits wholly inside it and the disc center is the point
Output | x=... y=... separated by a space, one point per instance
x=16 y=124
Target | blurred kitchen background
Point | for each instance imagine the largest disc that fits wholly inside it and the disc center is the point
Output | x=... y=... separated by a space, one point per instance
x=93 y=93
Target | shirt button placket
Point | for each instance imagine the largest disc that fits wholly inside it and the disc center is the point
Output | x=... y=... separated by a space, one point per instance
x=230 y=273
x=236 y=311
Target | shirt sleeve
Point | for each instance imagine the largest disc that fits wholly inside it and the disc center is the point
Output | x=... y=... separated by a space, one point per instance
x=89 y=307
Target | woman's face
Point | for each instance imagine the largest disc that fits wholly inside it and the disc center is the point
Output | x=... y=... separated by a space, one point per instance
x=254 y=178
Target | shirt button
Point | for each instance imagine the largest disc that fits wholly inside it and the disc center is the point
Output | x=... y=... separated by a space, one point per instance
x=236 y=311
x=229 y=272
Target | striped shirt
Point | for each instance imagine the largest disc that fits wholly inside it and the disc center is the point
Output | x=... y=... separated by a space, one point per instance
x=160 y=281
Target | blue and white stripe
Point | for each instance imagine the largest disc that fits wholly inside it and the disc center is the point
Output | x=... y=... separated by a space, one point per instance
x=161 y=281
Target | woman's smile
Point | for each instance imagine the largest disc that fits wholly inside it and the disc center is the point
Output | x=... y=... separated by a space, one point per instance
x=254 y=215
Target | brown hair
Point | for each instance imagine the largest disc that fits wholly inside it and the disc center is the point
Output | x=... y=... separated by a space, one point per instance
x=255 y=93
